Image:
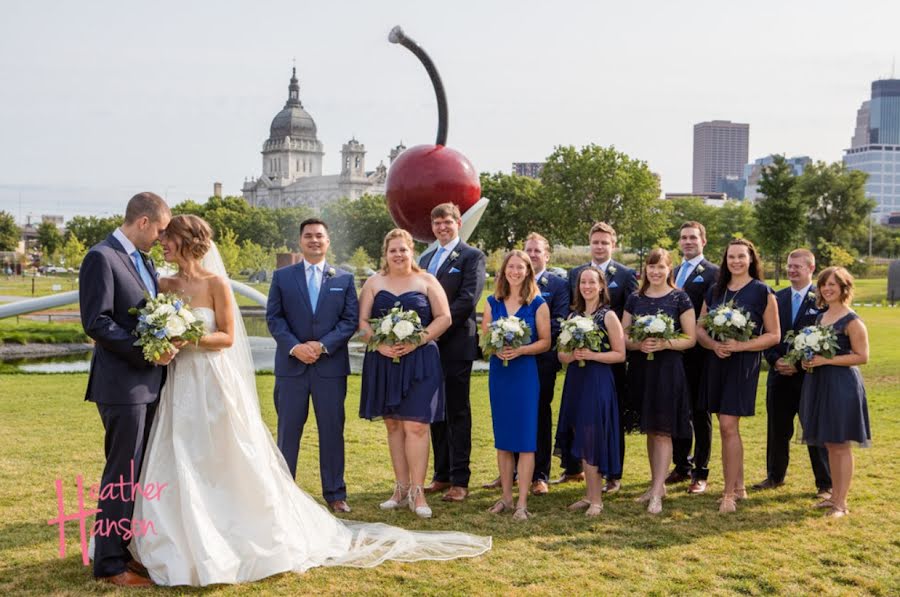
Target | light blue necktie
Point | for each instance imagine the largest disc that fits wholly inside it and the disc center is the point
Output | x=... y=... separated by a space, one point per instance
x=796 y=300
x=683 y=274
x=143 y=272
x=312 y=283
x=435 y=261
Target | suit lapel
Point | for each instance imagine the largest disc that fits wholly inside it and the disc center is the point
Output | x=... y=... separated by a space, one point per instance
x=323 y=287
x=126 y=259
x=300 y=278
x=445 y=267
x=784 y=312
x=805 y=305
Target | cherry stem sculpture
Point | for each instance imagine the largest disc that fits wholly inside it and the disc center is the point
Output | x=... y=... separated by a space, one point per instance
x=397 y=36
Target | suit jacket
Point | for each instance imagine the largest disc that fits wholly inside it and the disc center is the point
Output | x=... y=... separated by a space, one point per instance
x=621 y=282
x=108 y=286
x=555 y=291
x=698 y=282
x=806 y=315
x=462 y=277
x=291 y=320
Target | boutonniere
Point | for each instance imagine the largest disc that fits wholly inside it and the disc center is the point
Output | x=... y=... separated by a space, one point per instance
x=611 y=270
x=700 y=268
x=453 y=255
x=330 y=272
x=811 y=296
x=542 y=281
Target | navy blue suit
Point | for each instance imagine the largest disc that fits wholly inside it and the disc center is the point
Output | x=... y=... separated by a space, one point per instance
x=696 y=284
x=124 y=386
x=783 y=397
x=291 y=320
x=462 y=278
x=621 y=281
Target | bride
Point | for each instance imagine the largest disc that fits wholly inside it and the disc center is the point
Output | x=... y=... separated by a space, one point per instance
x=230 y=511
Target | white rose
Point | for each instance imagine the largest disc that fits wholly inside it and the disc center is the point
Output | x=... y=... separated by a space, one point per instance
x=814 y=338
x=385 y=327
x=187 y=316
x=719 y=319
x=657 y=326
x=175 y=326
x=495 y=336
x=800 y=342
x=403 y=329
x=583 y=323
x=164 y=310
x=511 y=325
x=738 y=320
x=565 y=337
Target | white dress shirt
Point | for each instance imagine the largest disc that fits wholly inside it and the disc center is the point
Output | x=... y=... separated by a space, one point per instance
x=448 y=248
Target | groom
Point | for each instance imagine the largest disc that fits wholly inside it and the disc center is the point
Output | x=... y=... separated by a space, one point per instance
x=115 y=276
x=312 y=313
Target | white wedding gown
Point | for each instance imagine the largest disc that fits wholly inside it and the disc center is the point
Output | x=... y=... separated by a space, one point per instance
x=231 y=512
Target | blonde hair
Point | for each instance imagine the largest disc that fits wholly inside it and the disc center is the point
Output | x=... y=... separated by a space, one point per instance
x=529 y=289
x=537 y=237
x=605 y=228
x=804 y=254
x=407 y=237
x=192 y=233
x=843 y=279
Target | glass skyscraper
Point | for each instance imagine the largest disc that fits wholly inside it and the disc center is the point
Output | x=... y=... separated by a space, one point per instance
x=884 y=113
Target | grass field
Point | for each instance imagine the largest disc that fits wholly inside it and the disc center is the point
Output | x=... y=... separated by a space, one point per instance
x=775 y=544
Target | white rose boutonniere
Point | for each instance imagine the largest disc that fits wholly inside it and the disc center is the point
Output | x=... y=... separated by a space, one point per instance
x=542 y=281
x=811 y=296
x=611 y=270
x=330 y=272
x=700 y=269
x=453 y=255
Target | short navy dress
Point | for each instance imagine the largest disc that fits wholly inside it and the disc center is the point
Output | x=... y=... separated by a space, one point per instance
x=658 y=388
x=728 y=386
x=413 y=389
x=833 y=407
x=588 y=426
x=514 y=389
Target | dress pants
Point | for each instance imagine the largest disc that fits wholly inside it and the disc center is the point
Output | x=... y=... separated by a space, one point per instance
x=452 y=437
x=698 y=465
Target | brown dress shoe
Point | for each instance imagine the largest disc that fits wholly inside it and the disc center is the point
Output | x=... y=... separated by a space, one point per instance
x=126 y=579
x=767 y=483
x=495 y=484
x=339 y=507
x=137 y=568
x=437 y=486
x=676 y=477
x=564 y=478
x=697 y=486
x=456 y=494
x=540 y=488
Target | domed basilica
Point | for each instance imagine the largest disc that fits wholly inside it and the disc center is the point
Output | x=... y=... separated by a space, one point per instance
x=292 y=164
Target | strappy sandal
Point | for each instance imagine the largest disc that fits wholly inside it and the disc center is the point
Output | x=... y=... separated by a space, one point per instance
x=825 y=504
x=400 y=490
x=579 y=505
x=727 y=504
x=500 y=506
x=593 y=510
x=836 y=512
x=521 y=514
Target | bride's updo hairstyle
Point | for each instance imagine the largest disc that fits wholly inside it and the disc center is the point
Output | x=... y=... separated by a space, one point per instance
x=192 y=234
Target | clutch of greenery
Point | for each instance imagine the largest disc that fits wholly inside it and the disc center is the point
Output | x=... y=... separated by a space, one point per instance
x=810 y=341
x=580 y=332
x=161 y=321
x=659 y=325
x=727 y=322
x=505 y=331
x=398 y=325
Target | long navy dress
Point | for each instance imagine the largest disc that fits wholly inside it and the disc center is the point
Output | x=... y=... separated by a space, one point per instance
x=514 y=389
x=833 y=406
x=411 y=390
x=728 y=385
x=658 y=388
x=588 y=427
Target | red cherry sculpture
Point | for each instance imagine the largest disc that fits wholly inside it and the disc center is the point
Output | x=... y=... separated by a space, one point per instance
x=426 y=175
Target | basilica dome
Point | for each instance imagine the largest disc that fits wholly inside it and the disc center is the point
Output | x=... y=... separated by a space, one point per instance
x=293 y=121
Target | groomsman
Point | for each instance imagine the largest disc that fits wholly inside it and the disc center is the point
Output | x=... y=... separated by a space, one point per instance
x=796 y=309
x=312 y=312
x=460 y=270
x=695 y=275
x=621 y=281
x=555 y=292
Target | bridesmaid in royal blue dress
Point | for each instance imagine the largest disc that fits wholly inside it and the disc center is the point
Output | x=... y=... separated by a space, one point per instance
x=588 y=428
x=658 y=388
x=514 y=388
x=408 y=395
x=731 y=372
x=833 y=408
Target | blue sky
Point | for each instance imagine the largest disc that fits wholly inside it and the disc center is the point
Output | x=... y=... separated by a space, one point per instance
x=103 y=99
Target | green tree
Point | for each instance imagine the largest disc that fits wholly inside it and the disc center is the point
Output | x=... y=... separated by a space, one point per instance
x=838 y=209
x=9 y=232
x=885 y=242
x=513 y=212
x=360 y=260
x=695 y=209
x=73 y=251
x=90 y=230
x=355 y=223
x=49 y=239
x=780 y=213
x=230 y=252
x=254 y=258
x=594 y=184
x=287 y=221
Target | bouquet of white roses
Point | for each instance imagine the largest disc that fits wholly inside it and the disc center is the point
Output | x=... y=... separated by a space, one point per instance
x=810 y=341
x=398 y=325
x=162 y=320
x=505 y=331
x=727 y=322
x=660 y=326
x=579 y=332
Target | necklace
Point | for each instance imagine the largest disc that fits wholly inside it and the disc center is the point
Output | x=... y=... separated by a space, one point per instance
x=736 y=292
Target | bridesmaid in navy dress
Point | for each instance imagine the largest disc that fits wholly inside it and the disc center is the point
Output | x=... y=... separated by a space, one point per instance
x=658 y=388
x=514 y=388
x=588 y=428
x=833 y=408
x=731 y=374
x=408 y=395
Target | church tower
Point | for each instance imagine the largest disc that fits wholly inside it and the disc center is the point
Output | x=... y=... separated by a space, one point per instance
x=353 y=161
x=292 y=150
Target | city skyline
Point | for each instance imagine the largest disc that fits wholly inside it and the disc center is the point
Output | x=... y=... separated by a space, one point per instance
x=172 y=98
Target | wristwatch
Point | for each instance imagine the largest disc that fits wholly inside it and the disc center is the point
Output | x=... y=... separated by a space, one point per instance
x=324 y=348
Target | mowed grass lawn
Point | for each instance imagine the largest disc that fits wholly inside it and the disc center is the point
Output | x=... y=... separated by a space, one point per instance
x=775 y=543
